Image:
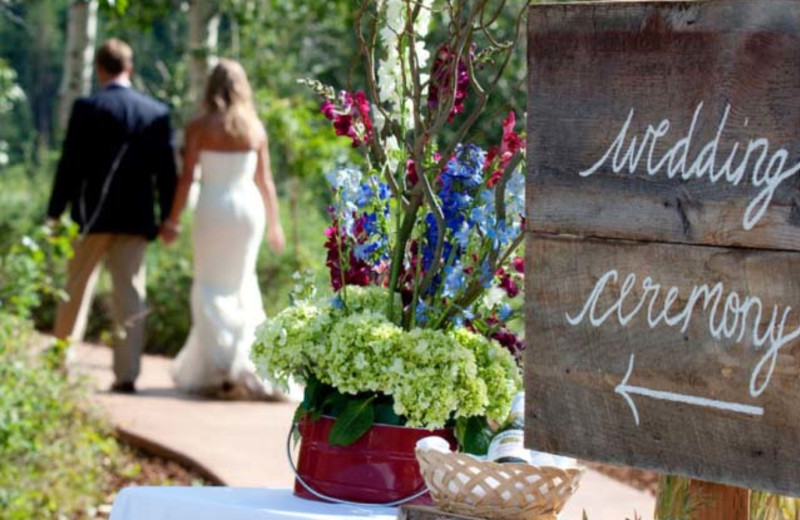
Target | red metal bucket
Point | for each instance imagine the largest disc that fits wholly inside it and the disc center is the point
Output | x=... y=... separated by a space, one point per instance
x=378 y=468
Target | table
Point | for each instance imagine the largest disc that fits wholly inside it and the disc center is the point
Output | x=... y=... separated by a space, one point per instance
x=224 y=503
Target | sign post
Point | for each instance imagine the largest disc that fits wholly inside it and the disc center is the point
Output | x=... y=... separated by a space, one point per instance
x=663 y=240
x=719 y=502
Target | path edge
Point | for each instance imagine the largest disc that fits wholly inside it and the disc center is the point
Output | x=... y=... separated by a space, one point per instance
x=160 y=450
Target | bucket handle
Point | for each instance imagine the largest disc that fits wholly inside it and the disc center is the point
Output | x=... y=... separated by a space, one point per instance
x=322 y=496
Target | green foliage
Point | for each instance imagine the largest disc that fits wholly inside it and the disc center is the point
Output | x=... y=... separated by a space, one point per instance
x=32 y=35
x=11 y=96
x=674 y=501
x=768 y=506
x=474 y=434
x=279 y=42
x=355 y=414
x=118 y=7
x=23 y=199
x=303 y=143
x=26 y=270
x=53 y=452
x=354 y=421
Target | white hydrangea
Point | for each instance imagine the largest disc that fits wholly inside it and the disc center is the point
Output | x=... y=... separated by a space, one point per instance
x=431 y=375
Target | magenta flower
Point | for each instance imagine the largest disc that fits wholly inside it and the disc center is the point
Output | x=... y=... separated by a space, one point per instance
x=498 y=159
x=411 y=172
x=358 y=271
x=507 y=283
x=441 y=83
x=510 y=341
x=518 y=264
x=351 y=118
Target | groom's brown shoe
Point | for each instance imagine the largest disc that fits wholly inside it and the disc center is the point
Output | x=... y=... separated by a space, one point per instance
x=123 y=387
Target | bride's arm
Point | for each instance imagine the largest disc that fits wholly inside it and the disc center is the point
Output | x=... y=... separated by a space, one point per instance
x=266 y=186
x=171 y=226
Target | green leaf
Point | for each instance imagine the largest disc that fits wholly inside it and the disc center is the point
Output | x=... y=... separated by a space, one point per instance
x=298 y=416
x=354 y=421
x=311 y=395
x=384 y=414
x=473 y=434
x=334 y=403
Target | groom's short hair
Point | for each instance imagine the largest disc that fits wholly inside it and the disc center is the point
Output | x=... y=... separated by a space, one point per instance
x=114 y=56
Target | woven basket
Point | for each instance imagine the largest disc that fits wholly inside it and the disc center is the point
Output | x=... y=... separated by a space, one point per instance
x=460 y=484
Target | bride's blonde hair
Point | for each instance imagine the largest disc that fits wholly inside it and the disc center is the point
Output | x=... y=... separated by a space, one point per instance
x=228 y=94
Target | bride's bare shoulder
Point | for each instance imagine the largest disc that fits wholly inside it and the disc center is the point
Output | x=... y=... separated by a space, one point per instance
x=196 y=128
x=202 y=123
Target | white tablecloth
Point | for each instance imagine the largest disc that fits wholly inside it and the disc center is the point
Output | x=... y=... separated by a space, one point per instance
x=223 y=503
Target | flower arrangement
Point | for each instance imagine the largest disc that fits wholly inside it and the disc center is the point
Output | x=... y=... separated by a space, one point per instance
x=423 y=246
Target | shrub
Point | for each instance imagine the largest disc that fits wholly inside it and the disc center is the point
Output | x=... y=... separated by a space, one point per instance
x=169 y=283
x=53 y=452
x=31 y=269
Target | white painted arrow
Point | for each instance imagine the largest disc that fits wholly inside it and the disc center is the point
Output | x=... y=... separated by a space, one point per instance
x=624 y=389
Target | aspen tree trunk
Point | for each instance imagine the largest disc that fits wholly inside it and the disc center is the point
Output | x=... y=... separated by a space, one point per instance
x=76 y=80
x=203 y=43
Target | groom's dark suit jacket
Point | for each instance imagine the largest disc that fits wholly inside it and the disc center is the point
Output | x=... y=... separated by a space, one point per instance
x=99 y=126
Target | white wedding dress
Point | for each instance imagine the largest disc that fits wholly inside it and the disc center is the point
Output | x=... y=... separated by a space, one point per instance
x=229 y=222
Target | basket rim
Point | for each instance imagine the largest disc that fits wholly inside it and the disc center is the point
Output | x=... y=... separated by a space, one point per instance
x=577 y=470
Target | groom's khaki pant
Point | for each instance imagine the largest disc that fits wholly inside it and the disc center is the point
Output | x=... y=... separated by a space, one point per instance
x=124 y=258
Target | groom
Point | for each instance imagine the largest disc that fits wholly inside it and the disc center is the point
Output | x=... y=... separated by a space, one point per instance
x=117 y=162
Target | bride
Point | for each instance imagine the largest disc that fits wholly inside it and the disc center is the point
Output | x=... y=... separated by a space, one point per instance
x=230 y=145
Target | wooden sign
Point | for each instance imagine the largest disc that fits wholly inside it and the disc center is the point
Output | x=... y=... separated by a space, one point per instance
x=663 y=230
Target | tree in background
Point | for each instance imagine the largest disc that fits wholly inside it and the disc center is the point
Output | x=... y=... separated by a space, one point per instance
x=204 y=17
x=76 y=79
x=10 y=95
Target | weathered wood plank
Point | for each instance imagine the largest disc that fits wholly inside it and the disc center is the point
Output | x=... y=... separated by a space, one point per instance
x=732 y=63
x=573 y=370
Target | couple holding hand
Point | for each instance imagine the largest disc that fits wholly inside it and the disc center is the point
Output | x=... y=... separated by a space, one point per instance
x=117 y=165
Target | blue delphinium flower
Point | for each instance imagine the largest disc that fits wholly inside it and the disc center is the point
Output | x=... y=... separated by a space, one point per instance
x=462 y=235
x=505 y=312
x=370 y=223
x=466 y=166
x=486 y=274
x=429 y=245
x=383 y=191
x=502 y=235
x=482 y=217
x=364 y=252
x=347 y=184
x=365 y=195
x=461 y=175
x=515 y=194
x=422 y=312
x=461 y=317
x=454 y=279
